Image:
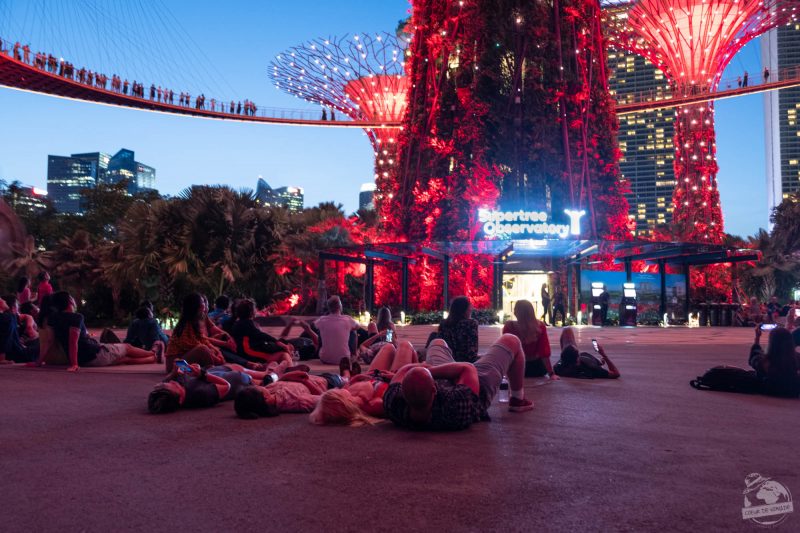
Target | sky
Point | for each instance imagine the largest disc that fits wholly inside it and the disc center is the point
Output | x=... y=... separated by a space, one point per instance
x=225 y=49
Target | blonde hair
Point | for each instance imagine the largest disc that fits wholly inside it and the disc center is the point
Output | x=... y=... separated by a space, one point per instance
x=338 y=407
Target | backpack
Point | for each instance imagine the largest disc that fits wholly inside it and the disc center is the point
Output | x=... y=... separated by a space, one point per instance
x=305 y=348
x=728 y=379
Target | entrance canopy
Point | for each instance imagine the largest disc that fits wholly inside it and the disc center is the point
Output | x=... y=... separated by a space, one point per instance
x=523 y=255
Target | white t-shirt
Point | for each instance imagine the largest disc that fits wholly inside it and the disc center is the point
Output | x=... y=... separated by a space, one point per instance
x=334 y=332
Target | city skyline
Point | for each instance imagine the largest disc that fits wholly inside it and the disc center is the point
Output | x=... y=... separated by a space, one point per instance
x=330 y=164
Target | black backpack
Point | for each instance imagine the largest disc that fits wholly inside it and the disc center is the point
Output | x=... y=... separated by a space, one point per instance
x=728 y=379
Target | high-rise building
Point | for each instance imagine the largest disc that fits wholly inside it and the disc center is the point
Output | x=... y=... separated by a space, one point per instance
x=366 y=197
x=645 y=139
x=780 y=49
x=24 y=197
x=68 y=176
x=123 y=166
x=289 y=197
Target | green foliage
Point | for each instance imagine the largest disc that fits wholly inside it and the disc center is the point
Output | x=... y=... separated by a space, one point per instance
x=485 y=317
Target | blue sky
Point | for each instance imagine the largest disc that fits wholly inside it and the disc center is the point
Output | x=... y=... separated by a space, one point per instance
x=227 y=48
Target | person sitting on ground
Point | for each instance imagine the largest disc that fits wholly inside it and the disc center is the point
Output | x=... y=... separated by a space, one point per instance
x=203 y=387
x=460 y=331
x=217 y=336
x=361 y=400
x=23 y=290
x=577 y=364
x=145 y=330
x=777 y=368
x=188 y=341
x=81 y=349
x=533 y=335
x=334 y=333
x=773 y=310
x=378 y=335
x=252 y=343
x=43 y=288
x=221 y=312
x=12 y=349
x=26 y=323
x=50 y=352
x=442 y=394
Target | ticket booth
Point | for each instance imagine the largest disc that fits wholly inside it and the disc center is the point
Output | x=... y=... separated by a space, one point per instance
x=628 y=306
x=599 y=303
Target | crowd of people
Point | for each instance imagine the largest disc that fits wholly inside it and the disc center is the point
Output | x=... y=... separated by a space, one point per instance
x=156 y=93
x=219 y=354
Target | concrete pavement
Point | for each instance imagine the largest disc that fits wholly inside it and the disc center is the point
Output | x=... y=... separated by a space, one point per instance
x=643 y=453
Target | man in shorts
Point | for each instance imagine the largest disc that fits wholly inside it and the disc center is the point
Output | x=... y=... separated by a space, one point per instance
x=444 y=395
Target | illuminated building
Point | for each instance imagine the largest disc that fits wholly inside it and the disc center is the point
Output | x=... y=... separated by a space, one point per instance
x=289 y=197
x=366 y=197
x=123 y=166
x=780 y=49
x=645 y=139
x=68 y=176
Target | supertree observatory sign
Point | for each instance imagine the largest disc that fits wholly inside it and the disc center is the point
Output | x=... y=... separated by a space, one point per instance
x=523 y=224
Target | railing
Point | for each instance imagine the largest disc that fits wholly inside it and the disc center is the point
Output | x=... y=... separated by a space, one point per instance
x=670 y=97
x=166 y=98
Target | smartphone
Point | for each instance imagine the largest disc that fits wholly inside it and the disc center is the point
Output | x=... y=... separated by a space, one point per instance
x=183 y=367
x=389 y=335
x=595 y=346
x=767 y=327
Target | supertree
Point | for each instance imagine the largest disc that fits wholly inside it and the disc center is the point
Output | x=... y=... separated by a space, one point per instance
x=361 y=76
x=692 y=41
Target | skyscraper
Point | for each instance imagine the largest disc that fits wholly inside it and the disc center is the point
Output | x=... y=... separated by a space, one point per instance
x=645 y=139
x=289 y=197
x=68 y=176
x=780 y=49
x=124 y=166
x=366 y=197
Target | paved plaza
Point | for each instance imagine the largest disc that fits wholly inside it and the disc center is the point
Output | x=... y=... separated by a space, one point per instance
x=642 y=453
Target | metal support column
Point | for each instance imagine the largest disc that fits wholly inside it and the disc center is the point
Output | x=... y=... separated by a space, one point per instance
x=404 y=304
x=628 y=273
x=322 y=293
x=662 y=271
x=369 y=287
x=687 y=286
x=446 y=282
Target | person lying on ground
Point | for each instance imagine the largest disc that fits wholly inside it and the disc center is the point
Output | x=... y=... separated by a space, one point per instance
x=202 y=388
x=444 y=395
x=252 y=343
x=188 y=341
x=81 y=349
x=360 y=401
x=307 y=344
x=294 y=392
x=776 y=368
x=533 y=335
x=145 y=330
x=577 y=364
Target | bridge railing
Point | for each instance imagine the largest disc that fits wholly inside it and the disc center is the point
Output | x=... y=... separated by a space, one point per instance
x=159 y=95
x=726 y=85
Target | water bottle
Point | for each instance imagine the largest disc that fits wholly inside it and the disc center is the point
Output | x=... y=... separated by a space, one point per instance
x=503 y=395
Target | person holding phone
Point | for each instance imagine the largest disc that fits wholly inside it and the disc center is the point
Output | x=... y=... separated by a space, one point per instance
x=381 y=334
x=577 y=364
x=777 y=367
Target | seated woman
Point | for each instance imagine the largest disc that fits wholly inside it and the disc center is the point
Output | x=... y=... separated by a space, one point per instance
x=12 y=348
x=361 y=400
x=81 y=349
x=533 y=335
x=28 y=317
x=188 y=341
x=777 y=368
x=145 y=330
x=379 y=336
x=201 y=388
x=460 y=331
x=576 y=364
x=218 y=336
x=252 y=343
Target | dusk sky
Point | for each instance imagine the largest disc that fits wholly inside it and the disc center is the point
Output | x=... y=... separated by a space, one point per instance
x=224 y=50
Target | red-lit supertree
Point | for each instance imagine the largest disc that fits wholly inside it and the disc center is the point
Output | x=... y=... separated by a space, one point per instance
x=361 y=76
x=692 y=41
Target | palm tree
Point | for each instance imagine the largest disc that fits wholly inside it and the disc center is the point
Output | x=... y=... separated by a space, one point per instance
x=76 y=263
